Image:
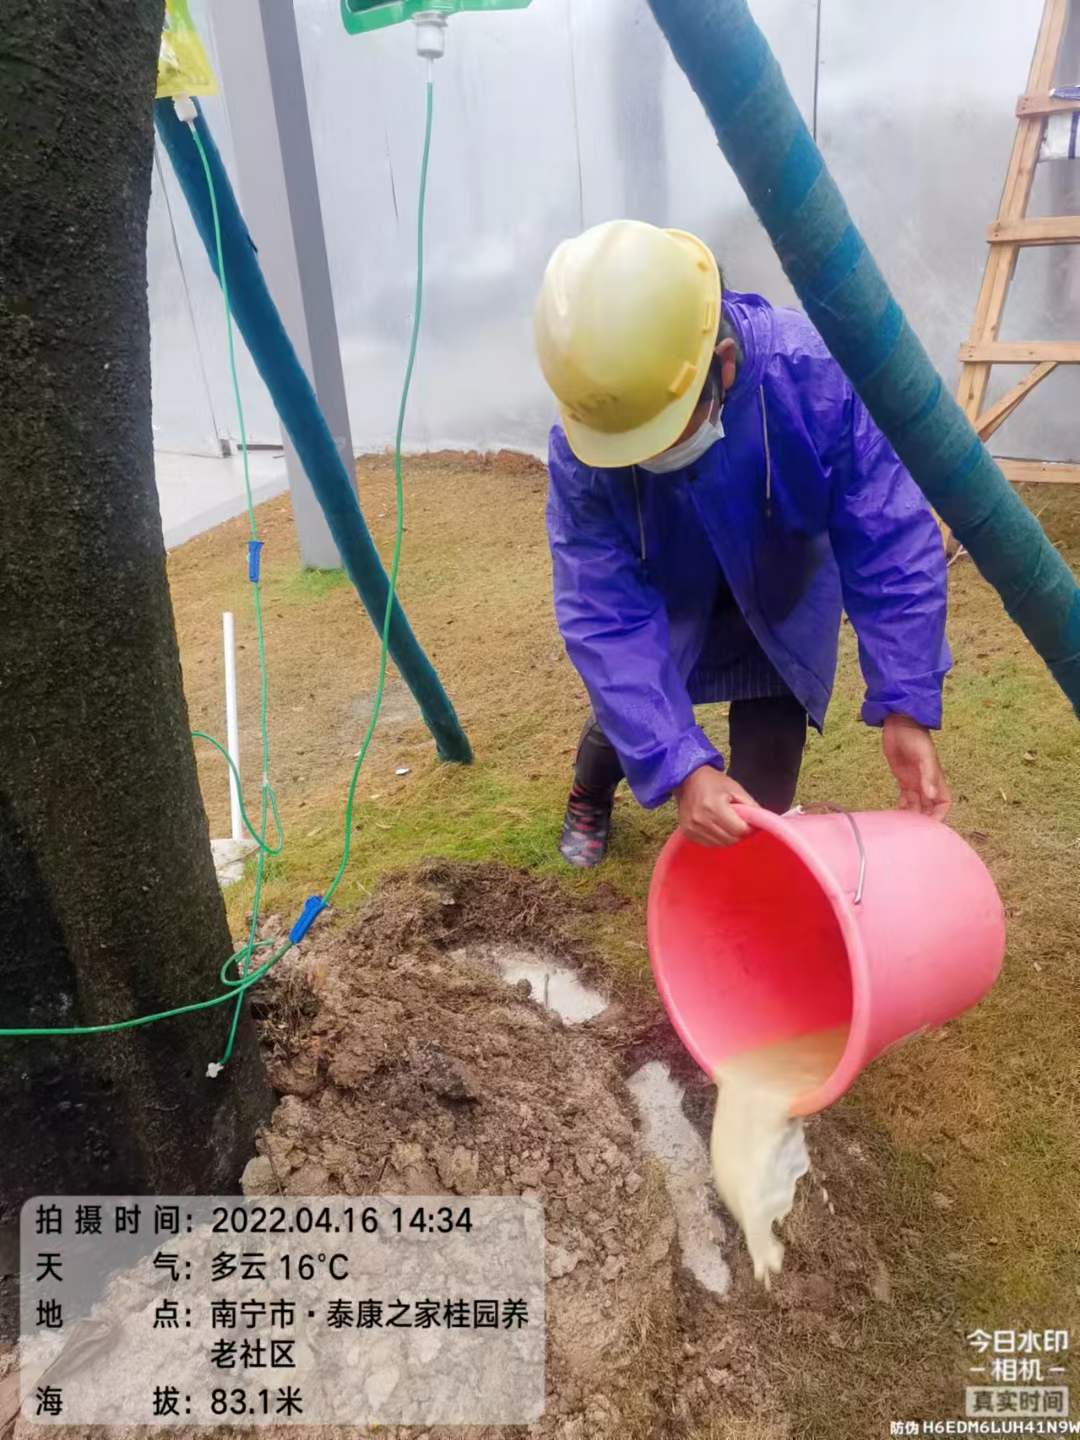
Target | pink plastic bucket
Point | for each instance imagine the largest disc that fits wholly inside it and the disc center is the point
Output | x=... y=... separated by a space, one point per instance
x=883 y=921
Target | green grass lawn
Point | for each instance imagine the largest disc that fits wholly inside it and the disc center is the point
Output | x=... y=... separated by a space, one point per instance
x=979 y=1129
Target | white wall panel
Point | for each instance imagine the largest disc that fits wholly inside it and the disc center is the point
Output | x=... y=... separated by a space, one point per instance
x=916 y=119
x=572 y=112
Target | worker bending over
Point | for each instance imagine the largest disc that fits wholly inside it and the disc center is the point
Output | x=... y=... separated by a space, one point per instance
x=718 y=495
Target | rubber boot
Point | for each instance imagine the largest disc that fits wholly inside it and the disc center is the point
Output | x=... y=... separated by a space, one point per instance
x=586 y=829
x=586 y=826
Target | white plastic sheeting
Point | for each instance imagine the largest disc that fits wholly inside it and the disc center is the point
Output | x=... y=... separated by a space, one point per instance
x=916 y=117
x=572 y=112
x=193 y=400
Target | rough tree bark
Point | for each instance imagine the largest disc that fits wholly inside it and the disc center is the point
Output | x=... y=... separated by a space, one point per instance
x=109 y=905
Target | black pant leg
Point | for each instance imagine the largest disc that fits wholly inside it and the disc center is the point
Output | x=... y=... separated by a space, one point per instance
x=768 y=737
x=597 y=768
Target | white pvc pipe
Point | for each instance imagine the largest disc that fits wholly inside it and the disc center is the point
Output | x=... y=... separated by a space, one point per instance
x=232 y=724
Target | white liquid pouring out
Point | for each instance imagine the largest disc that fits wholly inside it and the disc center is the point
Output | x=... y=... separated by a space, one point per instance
x=758 y=1149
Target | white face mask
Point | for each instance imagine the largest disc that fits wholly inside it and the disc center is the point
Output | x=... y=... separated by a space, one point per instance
x=678 y=457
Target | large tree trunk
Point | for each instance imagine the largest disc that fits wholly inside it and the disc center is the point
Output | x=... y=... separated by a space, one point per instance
x=109 y=905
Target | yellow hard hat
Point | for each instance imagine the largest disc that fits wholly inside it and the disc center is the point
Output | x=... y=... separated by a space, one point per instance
x=626 y=324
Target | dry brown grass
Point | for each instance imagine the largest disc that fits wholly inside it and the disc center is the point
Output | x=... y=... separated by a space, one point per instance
x=976 y=1130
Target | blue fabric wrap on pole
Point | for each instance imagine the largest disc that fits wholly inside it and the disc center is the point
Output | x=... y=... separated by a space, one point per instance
x=764 y=139
x=296 y=404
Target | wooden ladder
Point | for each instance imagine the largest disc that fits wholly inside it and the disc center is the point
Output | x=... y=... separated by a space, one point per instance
x=1013 y=229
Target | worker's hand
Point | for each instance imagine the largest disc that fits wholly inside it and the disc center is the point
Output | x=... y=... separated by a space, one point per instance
x=705 y=815
x=913 y=759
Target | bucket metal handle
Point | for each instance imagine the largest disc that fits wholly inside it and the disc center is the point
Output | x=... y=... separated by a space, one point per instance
x=825 y=808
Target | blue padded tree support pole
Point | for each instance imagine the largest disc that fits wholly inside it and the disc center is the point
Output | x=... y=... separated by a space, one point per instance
x=294 y=399
x=762 y=135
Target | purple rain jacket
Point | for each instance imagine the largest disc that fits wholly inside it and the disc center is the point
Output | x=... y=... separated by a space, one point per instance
x=803 y=507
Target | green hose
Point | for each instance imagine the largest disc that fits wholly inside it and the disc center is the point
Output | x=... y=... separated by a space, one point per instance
x=399 y=491
x=267 y=799
x=236 y=973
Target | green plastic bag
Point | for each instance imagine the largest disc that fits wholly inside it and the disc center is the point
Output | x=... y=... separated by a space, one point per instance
x=361 y=16
x=183 y=68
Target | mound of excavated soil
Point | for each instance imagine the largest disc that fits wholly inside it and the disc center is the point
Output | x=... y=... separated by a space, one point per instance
x=414 y=1072
x=407 y=1065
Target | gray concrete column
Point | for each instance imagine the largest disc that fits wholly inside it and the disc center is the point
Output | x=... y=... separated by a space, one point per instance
x=263 y=85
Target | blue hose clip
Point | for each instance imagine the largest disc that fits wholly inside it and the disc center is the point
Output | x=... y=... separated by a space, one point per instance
x=304 y=921
x=254 y=560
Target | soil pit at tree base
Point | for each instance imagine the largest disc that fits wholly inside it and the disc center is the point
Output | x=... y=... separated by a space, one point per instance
x=407 y=1065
